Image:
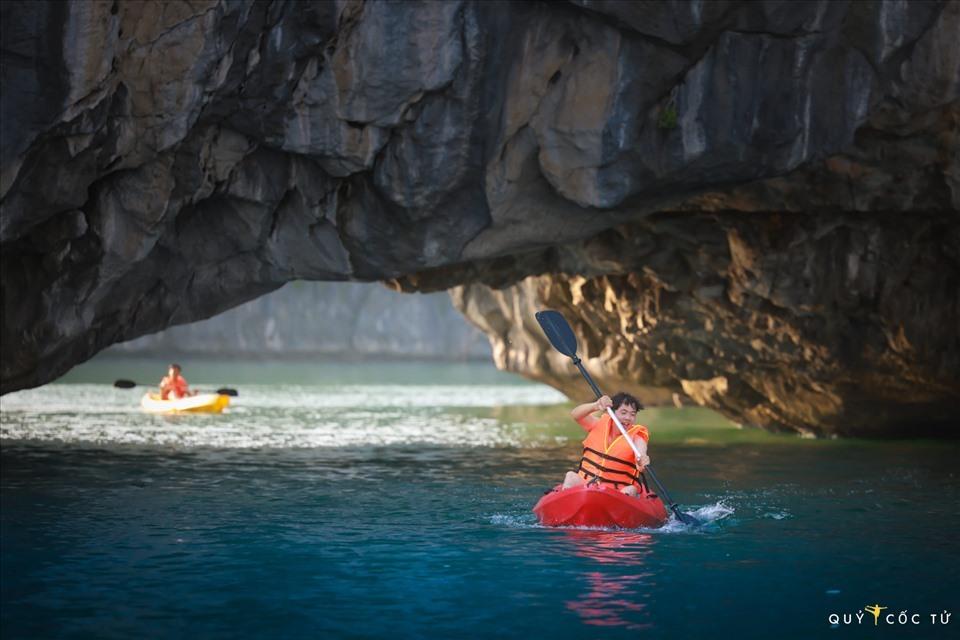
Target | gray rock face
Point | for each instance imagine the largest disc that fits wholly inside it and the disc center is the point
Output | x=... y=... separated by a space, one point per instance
x=345 y=320
x=162 y=162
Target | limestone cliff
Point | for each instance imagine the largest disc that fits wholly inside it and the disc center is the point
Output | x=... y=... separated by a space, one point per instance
x=782 y=177
x=341 y=320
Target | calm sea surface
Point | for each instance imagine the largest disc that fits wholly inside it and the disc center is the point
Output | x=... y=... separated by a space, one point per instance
x=393 y=501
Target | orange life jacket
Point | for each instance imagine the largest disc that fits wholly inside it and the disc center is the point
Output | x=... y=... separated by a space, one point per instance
x=177 y=386
x=609 y=460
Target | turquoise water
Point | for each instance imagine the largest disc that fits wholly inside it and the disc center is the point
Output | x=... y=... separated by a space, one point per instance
x=394 y=501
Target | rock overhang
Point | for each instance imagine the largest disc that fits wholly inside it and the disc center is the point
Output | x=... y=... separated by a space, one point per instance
x=163 y=162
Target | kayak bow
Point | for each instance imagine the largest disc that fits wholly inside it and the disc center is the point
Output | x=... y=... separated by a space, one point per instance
x=599 y=506
x=200 y=403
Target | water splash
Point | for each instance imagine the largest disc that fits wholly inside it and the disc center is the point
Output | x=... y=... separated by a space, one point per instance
x=707 y=515
x=514 y=521
x=777 y=515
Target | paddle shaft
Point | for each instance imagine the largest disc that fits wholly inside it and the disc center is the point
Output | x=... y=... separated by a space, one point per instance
x=130 y=384
x=649 y=468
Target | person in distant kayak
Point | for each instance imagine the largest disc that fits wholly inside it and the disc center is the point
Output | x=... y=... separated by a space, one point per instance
x=607 y=457
x=174 y=384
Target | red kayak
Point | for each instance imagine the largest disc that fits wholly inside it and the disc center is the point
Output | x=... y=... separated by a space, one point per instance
x=599 y=506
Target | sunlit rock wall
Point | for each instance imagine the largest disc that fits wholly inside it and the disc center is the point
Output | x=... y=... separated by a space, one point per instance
x=821 y=326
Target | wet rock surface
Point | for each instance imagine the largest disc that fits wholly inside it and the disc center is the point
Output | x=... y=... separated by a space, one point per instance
x=783 y=173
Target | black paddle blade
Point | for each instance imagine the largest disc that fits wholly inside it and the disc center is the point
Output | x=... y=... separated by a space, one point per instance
x=686 y=518
x=558 y=332
x=124 y=384
x=228 y=392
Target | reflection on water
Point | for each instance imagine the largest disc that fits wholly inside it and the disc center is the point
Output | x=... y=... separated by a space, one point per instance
x=617 y=589
x=621 y=548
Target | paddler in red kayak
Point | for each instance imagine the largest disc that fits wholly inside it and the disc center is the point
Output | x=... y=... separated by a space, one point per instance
x=607 y=457
x=174 y=384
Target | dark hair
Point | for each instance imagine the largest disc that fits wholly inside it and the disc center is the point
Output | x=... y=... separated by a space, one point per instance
x=176 y=366
x=627 y=399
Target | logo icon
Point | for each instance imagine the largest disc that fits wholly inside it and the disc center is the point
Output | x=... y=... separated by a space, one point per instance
x=875 y=609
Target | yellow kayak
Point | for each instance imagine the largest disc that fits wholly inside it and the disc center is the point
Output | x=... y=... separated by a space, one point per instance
x=200 y=403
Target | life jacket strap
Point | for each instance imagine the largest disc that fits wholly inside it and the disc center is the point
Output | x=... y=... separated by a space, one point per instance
x=604 y=470
x=598 y=477
x=643 y=483
x=640 y=479
x=609 y=457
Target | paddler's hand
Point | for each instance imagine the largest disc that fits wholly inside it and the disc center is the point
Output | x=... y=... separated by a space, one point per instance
x=643 y=462
x=602 y=403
